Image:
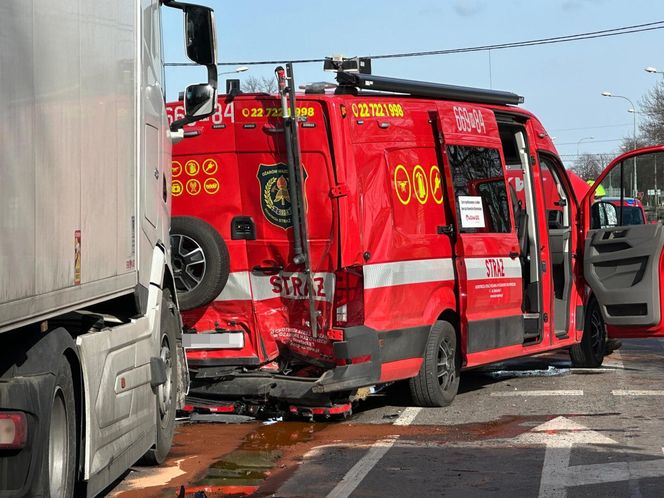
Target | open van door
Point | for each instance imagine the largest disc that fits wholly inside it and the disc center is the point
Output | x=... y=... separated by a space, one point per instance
x=622 y=260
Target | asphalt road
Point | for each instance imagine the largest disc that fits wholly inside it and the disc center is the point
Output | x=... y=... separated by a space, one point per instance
x=529 y=427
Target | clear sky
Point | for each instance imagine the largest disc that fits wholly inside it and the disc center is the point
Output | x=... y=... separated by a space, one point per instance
x=561 y=83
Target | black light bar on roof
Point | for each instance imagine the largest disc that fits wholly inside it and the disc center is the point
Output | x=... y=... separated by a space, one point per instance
x=427 y=89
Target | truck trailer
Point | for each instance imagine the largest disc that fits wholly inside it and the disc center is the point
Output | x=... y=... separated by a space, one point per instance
x=92 y=368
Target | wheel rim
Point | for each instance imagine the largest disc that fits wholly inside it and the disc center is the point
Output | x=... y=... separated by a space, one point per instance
x=446 y=370
x=189 y=262
x=596 y=330
x=58 y=445
x=164 y=390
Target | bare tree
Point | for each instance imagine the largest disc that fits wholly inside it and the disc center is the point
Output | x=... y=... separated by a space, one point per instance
x=630 y=143
x=259 y=84
x=651 y=113
x=589 y=166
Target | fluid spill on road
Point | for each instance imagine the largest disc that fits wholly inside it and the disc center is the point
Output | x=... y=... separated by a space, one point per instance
x=242 y=471
x=550 y=371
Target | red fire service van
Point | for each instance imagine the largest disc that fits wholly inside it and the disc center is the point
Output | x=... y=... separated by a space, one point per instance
x=390 y=230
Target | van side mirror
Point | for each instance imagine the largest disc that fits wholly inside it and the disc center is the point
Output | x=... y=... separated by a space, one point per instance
x=199 y=100
x=603 y=215
x=199 y=34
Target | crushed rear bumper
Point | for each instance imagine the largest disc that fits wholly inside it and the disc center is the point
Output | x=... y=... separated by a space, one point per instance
x=359 y=342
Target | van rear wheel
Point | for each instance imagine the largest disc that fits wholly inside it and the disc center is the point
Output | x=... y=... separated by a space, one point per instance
x=437 y=382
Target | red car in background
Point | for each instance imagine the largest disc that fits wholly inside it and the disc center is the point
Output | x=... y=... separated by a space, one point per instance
x=632 y=210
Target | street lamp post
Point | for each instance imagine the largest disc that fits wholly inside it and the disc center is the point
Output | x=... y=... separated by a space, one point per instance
x=579 y=143
x=240 y=69
x=653 y=70
x=633 y=110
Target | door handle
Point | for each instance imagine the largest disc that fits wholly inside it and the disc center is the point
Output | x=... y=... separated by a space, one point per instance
x=267 y=270
x=514 y=254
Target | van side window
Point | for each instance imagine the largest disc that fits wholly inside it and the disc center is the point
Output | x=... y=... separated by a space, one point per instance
x=631 y=194
x=479 y=188
x=555 y=197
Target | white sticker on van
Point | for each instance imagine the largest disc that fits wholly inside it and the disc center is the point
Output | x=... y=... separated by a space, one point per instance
x=471 y=211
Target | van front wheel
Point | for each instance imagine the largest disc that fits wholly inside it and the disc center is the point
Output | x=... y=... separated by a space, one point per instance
x=589 y=353
x=437 y=382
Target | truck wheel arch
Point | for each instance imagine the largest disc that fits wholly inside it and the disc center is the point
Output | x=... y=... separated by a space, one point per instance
x=36 y=347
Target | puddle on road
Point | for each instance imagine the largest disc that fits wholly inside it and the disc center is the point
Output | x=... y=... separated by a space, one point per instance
x=242 y=471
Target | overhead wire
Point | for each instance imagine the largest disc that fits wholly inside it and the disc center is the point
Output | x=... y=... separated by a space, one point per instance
x=624 y=30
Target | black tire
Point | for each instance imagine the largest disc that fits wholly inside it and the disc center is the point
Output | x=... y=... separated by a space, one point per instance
x=166 y=396
x=59 y=459
x=437 y=382
x=589 y=353
x=201 y=263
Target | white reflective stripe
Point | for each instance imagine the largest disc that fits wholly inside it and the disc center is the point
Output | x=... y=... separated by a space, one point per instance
x=238 y=287
x=484 y=269
x=408 y=272
x=292 y=286
x=241 y=285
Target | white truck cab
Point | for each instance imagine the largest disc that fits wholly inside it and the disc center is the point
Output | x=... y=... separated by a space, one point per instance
x=92 y=368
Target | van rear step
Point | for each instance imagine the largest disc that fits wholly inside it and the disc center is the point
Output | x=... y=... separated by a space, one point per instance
x=337 y=411
x=329 y=410
x=203 y=406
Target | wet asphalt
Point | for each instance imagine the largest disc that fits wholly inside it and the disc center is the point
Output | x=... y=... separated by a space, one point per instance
x=528 y=427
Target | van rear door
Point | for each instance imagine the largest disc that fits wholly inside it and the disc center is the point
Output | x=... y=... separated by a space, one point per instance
x=486 y=250
x=279 y=287
x=622 y=262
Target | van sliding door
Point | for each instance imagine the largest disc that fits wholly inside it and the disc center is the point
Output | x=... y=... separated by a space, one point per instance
x=490 y=283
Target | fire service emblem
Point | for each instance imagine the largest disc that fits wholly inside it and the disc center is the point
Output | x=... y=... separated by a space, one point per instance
x=275 y=196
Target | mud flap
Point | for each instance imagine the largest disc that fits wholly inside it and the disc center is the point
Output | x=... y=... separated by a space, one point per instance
x=359 y=342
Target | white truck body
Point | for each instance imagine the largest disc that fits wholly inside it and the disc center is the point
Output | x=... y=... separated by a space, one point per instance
x=82 y=132
x=84 y=219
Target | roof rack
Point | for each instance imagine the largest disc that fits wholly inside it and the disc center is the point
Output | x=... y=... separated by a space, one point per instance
x=426 y=89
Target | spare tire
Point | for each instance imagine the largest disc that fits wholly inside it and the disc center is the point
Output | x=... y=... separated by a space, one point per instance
x=201 y=264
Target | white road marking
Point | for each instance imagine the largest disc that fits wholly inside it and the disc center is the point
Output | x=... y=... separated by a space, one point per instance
x=559 y=435
x=359 y=471
x=355 y=475
x=637 y=392
x=584 y=475
x=560 y=392
x=150 y=477
x=407 y=416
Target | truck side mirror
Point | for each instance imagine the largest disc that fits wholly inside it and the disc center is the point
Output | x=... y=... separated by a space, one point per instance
x=199 y=32
x=201 y=45
x=199 y=100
